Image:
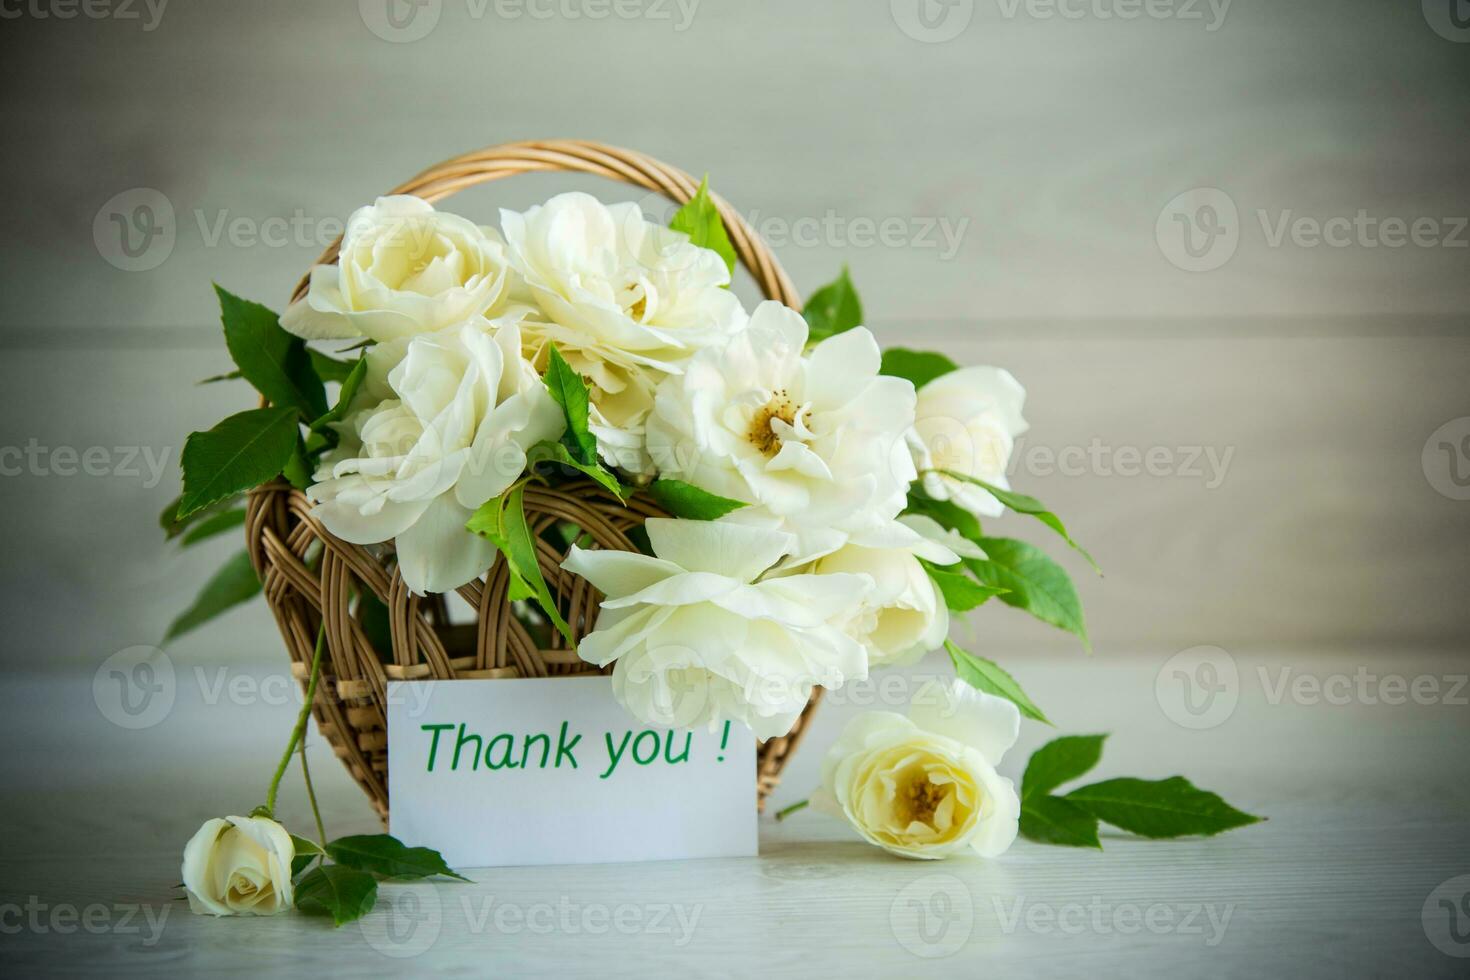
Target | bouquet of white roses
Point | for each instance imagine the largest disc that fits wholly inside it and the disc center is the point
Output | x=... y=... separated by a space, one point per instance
x=825 y=495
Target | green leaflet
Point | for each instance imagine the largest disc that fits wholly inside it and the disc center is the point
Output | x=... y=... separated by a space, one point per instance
x=917 y=366
x=373 y=617
x=305 y=852
x=1172 y=807
x=1149 y=808
x=1034 y=582
x=833 y=308
x=503 y=522
x=350 y=384
x=233 y=584
x=570 y=392
x=241 y=452
x=961 y=593
x=343 y=893
x=173 y=527
x=1060 y=761
x=217 y=523
x=700 y=220
x=557 y=453
x=382 y=854
x=687 y=501
x=984 y=675
x=1053 y=820
x=1022 y=504
x=271 y=359
x=329 y=368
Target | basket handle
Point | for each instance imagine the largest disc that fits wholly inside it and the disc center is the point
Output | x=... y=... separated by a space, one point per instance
x=582 y=156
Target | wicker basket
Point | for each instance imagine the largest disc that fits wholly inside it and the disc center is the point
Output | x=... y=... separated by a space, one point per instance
x=310 y=577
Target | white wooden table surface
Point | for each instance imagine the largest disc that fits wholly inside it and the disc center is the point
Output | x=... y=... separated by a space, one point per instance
x=1368 y=820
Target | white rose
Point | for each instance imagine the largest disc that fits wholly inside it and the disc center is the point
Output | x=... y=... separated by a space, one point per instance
x=903 y=617
x=627 y=301
x=925 y=786
x=404 y=269
x=817 y=442
x=697 y=638
x=460 y=409
x=239 y=866
x=967 y=422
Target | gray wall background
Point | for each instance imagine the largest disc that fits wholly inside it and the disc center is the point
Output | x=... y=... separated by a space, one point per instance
x=1317 y=376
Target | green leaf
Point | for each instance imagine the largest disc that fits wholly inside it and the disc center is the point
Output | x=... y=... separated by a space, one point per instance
x=918 y=366
x=1037 y=584
x=700 y=220
x=272 y=360
x=947 y=514
x=985 y=675
x=1060 y=761
x=1053 y=820
x=503 y=522
x=1022 y=504
x=343 y=893
x=570 y=392
x=173 y=527
x=329 y=368
x=557 y=453
x=833 y=308
x=381 y=854
x=685 y=500
x=220 y=522
x=373 y=617
x=1172 y=807
x=233 y=584
x=350 y=384
x=298 y=468
x=961 y=593
x=213 y=378
x=243 y=451
x=306 y=851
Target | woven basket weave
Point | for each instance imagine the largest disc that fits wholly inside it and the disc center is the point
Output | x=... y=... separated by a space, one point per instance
x=310 y=578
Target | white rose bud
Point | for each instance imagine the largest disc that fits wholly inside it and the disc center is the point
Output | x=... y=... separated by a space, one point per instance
x=404 y=269
x=967 y=422
x=239 y=866
x=903 y=617
x=925 y=786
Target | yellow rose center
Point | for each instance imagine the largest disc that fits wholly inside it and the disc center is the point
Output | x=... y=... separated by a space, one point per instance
x=763 y=435
x=922 y=798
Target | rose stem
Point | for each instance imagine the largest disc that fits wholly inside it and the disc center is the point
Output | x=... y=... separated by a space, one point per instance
x=321 y=831
x=792 y=809
x=300 y=729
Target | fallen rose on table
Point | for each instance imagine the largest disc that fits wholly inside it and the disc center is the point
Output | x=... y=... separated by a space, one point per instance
x=254 y=866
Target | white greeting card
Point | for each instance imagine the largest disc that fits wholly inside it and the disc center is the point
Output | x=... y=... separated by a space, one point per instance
x=555 y=771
